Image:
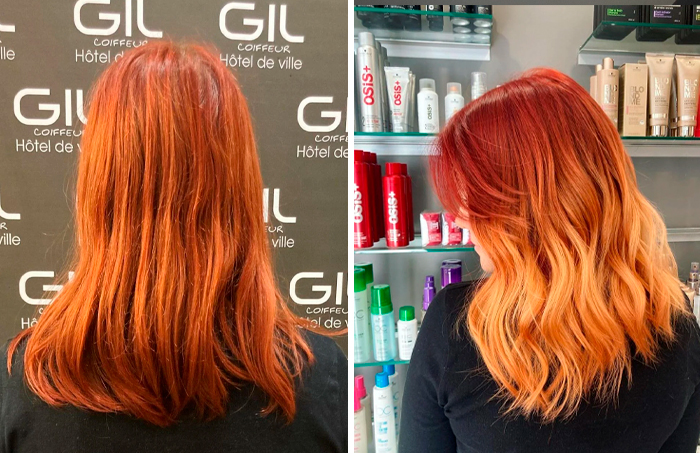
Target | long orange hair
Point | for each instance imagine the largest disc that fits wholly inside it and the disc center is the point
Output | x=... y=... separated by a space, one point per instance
x=173 y=300
x=584 y=279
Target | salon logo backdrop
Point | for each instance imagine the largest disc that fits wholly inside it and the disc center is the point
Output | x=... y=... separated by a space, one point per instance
x=290 y=59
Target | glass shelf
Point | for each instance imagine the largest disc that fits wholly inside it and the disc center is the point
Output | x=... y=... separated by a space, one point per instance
x=390 y=362
x=393 y=134
x=428 y=34
x=618 y=40
x=390 y=144
x=413 y=247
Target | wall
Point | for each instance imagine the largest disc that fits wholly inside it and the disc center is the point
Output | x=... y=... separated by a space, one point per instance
x=61 y=47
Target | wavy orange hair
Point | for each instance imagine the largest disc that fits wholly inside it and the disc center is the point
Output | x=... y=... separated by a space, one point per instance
x=584 y=278
x=174 y=299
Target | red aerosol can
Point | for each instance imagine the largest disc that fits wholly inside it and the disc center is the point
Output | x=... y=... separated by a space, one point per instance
x=378 y=199
x=371 y=186
x=362 y=237
x=395 y=207
x=409 y=201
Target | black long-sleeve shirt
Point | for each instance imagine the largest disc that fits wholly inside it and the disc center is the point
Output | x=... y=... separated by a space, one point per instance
x=28 y=425
x=447 y=407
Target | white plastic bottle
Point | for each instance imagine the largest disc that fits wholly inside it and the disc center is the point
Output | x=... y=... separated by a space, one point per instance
x=428 y=111
x=478 y=85
x=383 y=325
x=384 y=420
x=359 y=427
x=454 y=101
x=396 y=394
x=408 y=331
x=361 y=333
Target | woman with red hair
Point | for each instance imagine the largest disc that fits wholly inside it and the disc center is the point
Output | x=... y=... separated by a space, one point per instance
x=172 y=334
x=580 y=339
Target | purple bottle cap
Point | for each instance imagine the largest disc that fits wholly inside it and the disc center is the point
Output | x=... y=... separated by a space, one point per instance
x=451 y=273
x=428 y=291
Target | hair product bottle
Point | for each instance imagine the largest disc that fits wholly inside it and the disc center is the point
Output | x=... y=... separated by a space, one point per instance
x=383 y=324
x=428 y=114
x=384 y=420
x=390 y=371
x=359 y=427
x=428 y=294
x=608 y=89
x=660 y=77
x=381 y=89
x=408 y=331
x=369 y=85
x=459 y=21
x=478 y=85
x=371 y=190
x=361 y=333
x=396 y=216
x=409 y=201
x=362 y=226
x=450 y=273
x=435 y=23
x=687 y=78
x=366 y=403
x=454 y=101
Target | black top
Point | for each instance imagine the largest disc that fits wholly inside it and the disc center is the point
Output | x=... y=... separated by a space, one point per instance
x=27 y=424
x=447 y=407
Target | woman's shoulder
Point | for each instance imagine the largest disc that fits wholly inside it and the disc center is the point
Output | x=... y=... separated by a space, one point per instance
x=444 y=318
x=328 y=370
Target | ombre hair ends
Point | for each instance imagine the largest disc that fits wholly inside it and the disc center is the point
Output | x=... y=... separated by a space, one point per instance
x=584 y=278
x=173 y=302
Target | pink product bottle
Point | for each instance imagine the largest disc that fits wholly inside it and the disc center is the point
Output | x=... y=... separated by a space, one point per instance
x=409 y=197
x=370 y=199
x=378 y=197
x=362 y=237
x=395 y=207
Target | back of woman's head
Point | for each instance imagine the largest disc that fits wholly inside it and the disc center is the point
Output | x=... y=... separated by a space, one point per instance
x=583 y=276
x=173 y=299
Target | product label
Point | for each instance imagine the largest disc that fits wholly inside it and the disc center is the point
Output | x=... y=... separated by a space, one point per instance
x=367 y=82
x=384 y=340
x=357 y=204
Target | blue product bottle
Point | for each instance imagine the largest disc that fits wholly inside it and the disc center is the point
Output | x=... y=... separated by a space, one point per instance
x=383 y=326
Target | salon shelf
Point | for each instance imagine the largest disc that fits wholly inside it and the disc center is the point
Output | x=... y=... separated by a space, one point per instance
x=390 y=362
x=683 y=234
x=395 y=144
x=413 y=247
x=443 y=45
x=389 y=144
x=629 y=50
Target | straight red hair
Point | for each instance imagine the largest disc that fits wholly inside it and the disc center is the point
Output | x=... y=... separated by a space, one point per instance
x=173 y=300
x=584 y=279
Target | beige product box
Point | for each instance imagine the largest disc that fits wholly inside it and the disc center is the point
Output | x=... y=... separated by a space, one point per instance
x=633 y=100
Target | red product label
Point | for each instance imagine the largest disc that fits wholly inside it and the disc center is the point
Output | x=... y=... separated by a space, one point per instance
x=367 y=86
x=397 y=93
x=452 y=233
x=395 y=215
x=431 y=232
x=361 y=212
